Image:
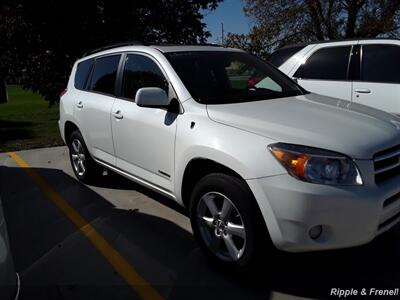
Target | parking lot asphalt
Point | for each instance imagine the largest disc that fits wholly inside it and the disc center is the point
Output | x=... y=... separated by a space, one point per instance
x=118 y=240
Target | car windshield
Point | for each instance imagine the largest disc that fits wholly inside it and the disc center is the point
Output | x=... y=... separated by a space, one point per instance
x=216 y=77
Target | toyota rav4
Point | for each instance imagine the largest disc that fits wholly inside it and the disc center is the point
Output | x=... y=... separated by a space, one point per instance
x=255 y=158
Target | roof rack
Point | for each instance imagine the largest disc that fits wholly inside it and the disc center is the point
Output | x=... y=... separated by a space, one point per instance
x=138 y=43
x=175 y=44
x=338 y=40
x=354 y=39
x=128 y=43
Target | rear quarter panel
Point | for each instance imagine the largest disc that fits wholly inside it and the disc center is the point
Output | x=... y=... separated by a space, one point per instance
x=67 y=104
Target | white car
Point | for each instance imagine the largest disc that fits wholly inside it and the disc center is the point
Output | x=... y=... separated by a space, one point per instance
x=9 y=279
x=363 y=71
x=256 y=159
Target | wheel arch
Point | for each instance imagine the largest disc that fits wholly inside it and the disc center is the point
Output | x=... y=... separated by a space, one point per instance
x=196 y=169
x=199 y=167
x=69 y=128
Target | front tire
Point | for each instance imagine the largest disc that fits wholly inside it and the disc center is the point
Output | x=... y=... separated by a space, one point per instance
x=83 y=165
x=226 y=220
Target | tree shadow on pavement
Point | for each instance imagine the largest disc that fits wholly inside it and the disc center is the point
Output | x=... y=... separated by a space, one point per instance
x=112 y=180
x=314 y=274
x=57 y=262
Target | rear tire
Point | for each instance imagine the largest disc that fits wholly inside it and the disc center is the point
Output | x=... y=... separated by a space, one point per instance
x=227 y=222
x=83 y=165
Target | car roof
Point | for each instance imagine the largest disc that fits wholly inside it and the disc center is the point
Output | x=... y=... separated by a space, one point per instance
x=336 y=41
x=182 y=48
x=357 y=39
x=164 y=48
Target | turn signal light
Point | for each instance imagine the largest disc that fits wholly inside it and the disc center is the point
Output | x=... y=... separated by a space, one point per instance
x=296 y=162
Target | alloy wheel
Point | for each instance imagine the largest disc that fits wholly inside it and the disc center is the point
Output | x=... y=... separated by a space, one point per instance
x=78 y=157
x=221 y=226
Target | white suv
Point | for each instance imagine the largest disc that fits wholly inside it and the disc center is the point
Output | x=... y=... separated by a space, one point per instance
x=363 y=71
x=256 y=159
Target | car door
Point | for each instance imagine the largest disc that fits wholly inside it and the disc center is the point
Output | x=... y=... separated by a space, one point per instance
x=379 y=82
x=93 y=107
x=144 y=138
x=325 y=72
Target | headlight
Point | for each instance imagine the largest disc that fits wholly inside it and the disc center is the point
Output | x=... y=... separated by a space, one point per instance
x=316 y=165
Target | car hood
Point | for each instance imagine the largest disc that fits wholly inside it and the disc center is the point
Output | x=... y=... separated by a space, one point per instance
x=314 y=120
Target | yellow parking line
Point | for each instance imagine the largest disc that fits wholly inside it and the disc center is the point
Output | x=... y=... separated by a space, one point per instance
x=118 y=262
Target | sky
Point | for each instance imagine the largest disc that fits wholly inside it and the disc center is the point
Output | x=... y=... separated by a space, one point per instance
x=230 y=13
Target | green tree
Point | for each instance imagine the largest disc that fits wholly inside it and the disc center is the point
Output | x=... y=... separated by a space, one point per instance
x=41 y=39
x=281 y=22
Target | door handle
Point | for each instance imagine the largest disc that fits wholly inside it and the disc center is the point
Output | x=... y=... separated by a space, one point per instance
x=363 y=91
x=118 y=115
x=79 y=104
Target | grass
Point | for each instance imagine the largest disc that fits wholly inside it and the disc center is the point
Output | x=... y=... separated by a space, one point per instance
x=27 y=122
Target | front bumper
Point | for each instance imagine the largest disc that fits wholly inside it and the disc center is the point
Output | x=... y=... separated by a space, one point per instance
x=349 y=215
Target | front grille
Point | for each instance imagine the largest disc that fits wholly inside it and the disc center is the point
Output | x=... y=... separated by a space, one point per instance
x=387 y=164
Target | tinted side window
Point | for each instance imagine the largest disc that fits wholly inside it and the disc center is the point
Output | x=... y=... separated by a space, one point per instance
x=326 y=64
x=82 y=72
x=104 y=74
x=141 y=71
x=380 y=63
x=280 y=56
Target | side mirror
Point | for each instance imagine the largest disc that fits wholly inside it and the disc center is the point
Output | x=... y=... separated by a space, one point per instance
x=152 y=97
x=295 y=80
x=3 y=91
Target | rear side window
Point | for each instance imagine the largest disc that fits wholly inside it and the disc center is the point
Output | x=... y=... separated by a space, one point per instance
x=280 y=56
x=104 y=74
x=140 y=71
x=380 y=63
x=82 y=72
x=326 y=64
